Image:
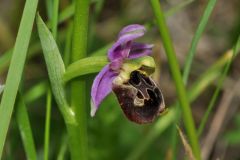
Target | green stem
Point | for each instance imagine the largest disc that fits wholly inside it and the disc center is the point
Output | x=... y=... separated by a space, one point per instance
x=85 y=66
x=47 y=124
x=167 y=43
x=78 y=133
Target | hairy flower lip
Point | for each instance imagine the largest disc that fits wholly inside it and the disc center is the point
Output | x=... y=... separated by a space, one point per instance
x=122 y=52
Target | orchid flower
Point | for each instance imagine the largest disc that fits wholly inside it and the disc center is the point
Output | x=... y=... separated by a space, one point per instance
x=127 y=75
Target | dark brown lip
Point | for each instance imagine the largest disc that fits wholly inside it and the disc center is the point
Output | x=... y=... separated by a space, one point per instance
x=144 y=88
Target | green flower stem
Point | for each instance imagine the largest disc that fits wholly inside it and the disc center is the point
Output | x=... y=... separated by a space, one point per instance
x=78 y=133
x=183 y=100
x=85 y=66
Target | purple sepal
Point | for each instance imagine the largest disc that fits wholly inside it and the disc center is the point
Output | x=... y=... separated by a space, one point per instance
x=122 y=46
x=101 y=87
x=140 y=50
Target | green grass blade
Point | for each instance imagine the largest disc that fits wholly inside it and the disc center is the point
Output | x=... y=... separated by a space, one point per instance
x=232 y=53
x=47 y=124
x=16 y=68
x=25 y=129
x=56 y=69
x=85 y=66
x=174 y=67
x=196 y=38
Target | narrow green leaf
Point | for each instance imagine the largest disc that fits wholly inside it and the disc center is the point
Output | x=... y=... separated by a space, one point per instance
x=25 y=129
x=16 y=68
x=56 y=69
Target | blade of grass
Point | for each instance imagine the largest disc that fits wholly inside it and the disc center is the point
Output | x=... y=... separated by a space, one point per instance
x=201 y=27
x=79 y=141
x=233 y=53
x=16 y=68
x=47 y=124
x=174 y=67
x=25 y=129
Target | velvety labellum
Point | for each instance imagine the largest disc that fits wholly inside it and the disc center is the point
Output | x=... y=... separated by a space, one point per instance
x=140 y=98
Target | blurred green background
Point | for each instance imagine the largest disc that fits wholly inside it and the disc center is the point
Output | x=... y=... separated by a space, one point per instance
x=111 y=135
